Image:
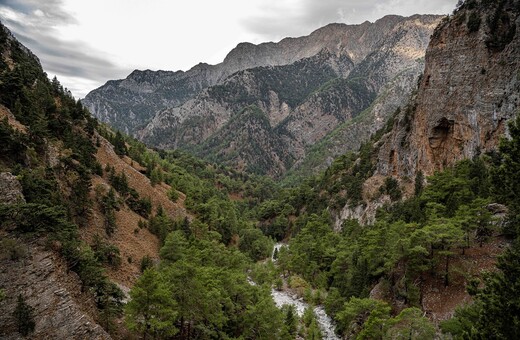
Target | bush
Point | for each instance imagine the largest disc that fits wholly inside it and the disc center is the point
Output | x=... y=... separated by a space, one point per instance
x=11 y=249
x=474 y=22
x=146 y=262
x=24 y=317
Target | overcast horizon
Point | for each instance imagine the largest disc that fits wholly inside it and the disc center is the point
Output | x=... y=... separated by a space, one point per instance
x=86 y=44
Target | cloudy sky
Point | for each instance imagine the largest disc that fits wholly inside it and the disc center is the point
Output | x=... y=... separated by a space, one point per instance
x=86 y=43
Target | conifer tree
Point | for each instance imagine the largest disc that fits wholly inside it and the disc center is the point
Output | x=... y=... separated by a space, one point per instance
x=24 y=316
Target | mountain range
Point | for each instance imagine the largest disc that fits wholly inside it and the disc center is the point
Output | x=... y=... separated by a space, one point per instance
x=299 y=89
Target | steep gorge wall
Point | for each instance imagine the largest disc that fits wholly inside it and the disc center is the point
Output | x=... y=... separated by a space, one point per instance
x=470 y=89
x=468 y=92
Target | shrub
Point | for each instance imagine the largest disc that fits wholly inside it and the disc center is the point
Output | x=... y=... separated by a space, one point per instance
x=24 y=317
x=474 y=22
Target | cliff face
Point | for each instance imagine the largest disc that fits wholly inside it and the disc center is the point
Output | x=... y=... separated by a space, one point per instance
x=306 y=100
x=469 y=90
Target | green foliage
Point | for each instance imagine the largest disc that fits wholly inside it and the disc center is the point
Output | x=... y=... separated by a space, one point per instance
x=410 y=324
x=255 y=244
x=463 y=325
x=23 y=315
x=505 y=178
x=290 y=319
x=109 y=205
x=391 y=188
x=363 y=318
x=119 y=144
x=419 y=183
x=474 y=22
x=106 y=253
x=146 y=262
x=499 y=316
x=502 y=28
x=11 y=249
x=151 y=309
x=141 y=206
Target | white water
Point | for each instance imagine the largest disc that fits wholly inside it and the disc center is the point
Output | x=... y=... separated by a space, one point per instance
x=284 y=298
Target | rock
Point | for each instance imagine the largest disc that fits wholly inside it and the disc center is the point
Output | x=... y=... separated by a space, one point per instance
x=61 y=311
x=465 y=98
x=301 y=100
x=10 y=189
x=497 y=209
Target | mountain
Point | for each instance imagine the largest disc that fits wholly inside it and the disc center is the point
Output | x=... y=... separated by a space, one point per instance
x=130 y=103
x=466 y=96
x=85 y=211
x=306 y=87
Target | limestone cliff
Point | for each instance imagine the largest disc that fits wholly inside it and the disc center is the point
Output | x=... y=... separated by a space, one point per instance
x=130 y=103
x=469 y=90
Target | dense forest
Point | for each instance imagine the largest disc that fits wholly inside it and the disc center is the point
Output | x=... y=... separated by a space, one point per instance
x=216 y=269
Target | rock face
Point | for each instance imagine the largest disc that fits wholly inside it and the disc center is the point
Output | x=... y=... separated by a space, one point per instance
x=306 y=100
x=42 y=279
x=470 y=89
x=10 y=189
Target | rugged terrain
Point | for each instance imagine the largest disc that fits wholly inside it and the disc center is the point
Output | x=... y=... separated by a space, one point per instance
x=306 y=87
x=469 y=91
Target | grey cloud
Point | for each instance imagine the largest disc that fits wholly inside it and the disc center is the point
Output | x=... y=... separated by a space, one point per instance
x=274 y=22
x=34 y=25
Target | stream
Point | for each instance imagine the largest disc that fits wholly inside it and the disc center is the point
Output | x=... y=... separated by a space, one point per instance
x=285 y=298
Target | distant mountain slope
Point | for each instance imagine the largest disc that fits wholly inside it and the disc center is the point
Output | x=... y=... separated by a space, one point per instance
x=305 y=100
x=130 y=103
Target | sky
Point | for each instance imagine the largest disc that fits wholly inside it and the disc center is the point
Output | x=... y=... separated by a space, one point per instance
x=87 y=43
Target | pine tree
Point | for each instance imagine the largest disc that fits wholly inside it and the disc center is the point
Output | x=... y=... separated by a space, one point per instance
x=151 y=310
x=24 y=316
x=119 y=144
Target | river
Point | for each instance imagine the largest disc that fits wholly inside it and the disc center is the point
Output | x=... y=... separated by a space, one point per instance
x=285 y=298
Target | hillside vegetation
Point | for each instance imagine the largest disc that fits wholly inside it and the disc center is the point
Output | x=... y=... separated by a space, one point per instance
x=103 y=237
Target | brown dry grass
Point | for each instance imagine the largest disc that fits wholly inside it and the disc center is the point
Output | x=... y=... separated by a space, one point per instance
x=133 y=243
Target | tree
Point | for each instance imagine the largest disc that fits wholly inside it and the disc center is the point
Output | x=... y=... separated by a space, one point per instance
x=410 y=324
x=151 y=310
x=363 y=318
x=24 y=316
x=109 y=205
x=290 y=319
x=419 y=183
x=500 y=298
x=156 y=177
x=174 y=247
x=506 y=177
x=119 y=144
x=444 y=236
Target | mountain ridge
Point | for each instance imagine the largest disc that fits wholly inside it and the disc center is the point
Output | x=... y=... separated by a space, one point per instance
x=115 y=101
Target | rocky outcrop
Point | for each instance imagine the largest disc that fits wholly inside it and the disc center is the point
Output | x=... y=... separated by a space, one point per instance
x=470 y=89
x=10 y=189
x=61 y=311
